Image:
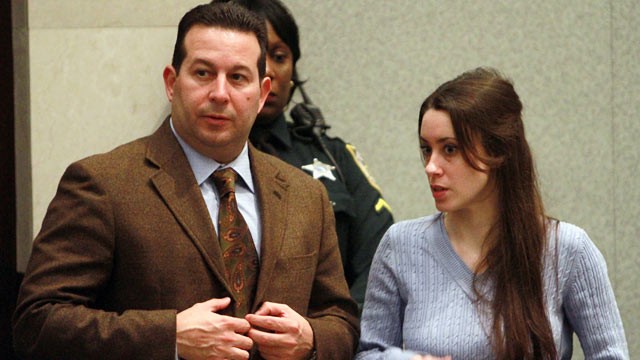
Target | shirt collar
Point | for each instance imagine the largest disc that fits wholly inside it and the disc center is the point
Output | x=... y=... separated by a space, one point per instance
x=203 y=166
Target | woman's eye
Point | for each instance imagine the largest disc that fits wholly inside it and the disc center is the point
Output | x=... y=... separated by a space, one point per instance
x=425 y=154
x=450 y=149
x=279 y=57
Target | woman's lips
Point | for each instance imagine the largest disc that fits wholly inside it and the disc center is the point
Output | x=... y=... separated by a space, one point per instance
x=271 y=99
x=438 y=192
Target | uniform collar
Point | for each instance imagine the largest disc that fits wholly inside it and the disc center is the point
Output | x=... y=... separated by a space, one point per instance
x=279 y=131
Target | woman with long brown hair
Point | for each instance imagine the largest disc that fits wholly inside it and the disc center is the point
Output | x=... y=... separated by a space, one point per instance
x=489 y=276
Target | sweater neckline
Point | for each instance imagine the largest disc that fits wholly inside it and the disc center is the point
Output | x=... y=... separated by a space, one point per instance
x=457 y=269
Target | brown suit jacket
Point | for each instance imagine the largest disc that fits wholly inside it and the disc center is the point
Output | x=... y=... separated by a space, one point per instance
x=127 y=242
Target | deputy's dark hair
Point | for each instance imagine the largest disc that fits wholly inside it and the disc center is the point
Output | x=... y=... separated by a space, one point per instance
x=485 y=109
x=226 y=16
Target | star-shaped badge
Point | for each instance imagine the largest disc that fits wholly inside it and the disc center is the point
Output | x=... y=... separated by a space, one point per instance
x=320 y=169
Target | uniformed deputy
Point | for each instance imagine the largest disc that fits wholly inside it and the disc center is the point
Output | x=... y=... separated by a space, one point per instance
x=362 y=215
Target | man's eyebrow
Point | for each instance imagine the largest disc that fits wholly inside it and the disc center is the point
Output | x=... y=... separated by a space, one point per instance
x=199 y=61
x=241 y=67
x=207 y=63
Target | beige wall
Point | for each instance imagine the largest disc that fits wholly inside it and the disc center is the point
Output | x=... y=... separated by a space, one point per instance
x=93 y=80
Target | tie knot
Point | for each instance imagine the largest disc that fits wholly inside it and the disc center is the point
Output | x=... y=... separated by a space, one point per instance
x=225 y=180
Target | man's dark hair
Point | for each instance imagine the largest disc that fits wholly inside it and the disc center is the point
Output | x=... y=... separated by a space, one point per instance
x=283 y=23
x=227 y=15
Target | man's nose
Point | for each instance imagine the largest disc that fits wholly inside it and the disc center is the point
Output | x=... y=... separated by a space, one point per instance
x=219 y=91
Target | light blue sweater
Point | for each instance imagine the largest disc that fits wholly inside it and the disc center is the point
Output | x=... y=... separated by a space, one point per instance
x=420 y=298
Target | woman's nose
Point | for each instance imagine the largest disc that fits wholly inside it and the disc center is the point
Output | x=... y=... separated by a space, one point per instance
x=432 y=167
x=269 y=71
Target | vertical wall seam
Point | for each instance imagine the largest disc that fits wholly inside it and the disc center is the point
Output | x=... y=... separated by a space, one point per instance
x=612 y=55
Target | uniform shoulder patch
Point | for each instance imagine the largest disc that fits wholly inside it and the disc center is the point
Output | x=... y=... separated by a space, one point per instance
x=357 y=157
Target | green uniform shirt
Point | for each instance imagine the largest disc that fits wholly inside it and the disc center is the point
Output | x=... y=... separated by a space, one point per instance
x=362 y=215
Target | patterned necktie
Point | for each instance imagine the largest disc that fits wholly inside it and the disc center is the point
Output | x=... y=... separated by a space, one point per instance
x=239 y=252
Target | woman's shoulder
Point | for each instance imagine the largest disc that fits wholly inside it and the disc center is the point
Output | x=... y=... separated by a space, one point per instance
x=574 y=247
x=414 y=232
x=426 y=223
x=407 y=241
x=568 y=237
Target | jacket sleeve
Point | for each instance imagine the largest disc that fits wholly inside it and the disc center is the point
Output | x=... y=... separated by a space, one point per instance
x=332 y=313
x=59 y=312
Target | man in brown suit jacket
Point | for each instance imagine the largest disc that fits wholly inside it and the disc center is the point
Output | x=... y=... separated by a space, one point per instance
x=127 y=264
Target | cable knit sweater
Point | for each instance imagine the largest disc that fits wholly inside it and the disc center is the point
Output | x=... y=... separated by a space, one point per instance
x=420 y=297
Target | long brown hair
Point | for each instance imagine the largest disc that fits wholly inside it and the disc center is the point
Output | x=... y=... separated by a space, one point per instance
x=483 y=106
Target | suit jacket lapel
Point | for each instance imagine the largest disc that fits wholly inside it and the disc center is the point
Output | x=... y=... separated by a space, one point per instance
x=183 y=196
x=271 y=188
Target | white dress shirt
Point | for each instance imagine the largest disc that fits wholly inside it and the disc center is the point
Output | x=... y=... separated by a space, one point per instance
x=246 y=198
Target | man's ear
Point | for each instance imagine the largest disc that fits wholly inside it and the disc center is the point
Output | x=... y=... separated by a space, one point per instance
x=169 y=74
x=265 y=88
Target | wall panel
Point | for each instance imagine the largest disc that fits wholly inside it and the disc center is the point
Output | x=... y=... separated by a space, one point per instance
x=95 y=82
